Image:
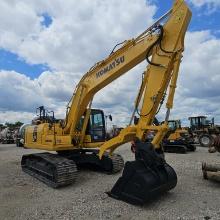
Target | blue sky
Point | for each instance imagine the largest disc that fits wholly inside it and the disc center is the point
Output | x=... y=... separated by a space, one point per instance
x=68 y=37
x=47 y=20
x=11 y=61
x=201 y=20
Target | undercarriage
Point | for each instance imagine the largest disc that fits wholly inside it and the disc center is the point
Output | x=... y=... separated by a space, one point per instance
x=57 y=170
x=178 y=146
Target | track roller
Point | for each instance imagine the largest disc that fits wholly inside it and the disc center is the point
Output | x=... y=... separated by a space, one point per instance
x=52 y=169
x=60 y=169
x=89 y=159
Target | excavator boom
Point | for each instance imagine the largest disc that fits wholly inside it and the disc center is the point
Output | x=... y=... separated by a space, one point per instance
x=161 y=45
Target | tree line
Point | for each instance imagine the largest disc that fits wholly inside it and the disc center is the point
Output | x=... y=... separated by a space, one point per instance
x=11 y=125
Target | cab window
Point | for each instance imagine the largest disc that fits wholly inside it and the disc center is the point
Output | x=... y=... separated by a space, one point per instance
x=97 y=126
x=97 y=120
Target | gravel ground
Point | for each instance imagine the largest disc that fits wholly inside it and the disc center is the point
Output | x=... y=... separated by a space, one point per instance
x=23 y=197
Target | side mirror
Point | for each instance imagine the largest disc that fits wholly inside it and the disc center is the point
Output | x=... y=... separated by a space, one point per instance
x=110 y=117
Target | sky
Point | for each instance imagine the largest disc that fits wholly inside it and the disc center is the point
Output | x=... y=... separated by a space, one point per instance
x=47 y=46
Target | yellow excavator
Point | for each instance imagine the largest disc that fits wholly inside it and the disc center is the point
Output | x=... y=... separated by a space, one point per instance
x=177 y=139
x=80 y=139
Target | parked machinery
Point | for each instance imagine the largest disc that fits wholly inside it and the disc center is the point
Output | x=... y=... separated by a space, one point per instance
x=20 y=135
x=42 y=116
x=7 y=135
x=203 y=130
x=177 y=139
x=113 y=132
x=80 y=139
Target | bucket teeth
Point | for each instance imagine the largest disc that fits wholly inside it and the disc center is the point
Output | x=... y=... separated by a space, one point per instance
x=145 y=178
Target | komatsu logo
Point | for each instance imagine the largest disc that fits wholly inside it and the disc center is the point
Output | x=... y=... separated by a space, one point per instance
x=111 y=66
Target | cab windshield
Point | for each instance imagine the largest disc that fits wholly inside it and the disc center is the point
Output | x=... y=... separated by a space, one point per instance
x=172 y=125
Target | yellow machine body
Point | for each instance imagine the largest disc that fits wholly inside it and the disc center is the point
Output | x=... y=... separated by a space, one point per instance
x=178 y=139
x=177 y=131
x=161 y=73
x=80 y=140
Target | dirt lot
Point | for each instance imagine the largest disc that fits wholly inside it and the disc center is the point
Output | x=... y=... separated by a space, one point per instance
x=23 y=197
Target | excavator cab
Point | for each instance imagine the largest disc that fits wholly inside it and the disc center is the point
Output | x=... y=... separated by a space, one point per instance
x=96 y=126
x=177 y=139
x=198 y=122
x=174 y=124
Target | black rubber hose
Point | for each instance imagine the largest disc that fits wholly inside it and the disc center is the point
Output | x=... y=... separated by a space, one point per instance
x=159 y=40
x=152 y=46
x=161 y=37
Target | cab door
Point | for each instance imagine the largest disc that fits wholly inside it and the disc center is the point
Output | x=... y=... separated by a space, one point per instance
x=97 y=126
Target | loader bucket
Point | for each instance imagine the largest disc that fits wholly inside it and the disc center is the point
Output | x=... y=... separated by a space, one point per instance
x=145 y=178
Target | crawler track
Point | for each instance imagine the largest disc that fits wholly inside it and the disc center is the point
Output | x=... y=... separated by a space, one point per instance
x=179 y=149
x=57 y=170
x=51 y=169
x=89 y=159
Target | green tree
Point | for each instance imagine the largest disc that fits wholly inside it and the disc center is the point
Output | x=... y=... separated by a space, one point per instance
x=18 y=124
x=15 y=125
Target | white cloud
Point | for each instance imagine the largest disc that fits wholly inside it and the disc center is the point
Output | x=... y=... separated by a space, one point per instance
x=14 y=116
x=18 y=92
x=200 y=3
x=212 y=5
x=82 y=33
x=21 y=95
x=19 y=21
x=198 y=91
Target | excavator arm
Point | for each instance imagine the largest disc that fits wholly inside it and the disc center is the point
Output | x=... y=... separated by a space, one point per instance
x=104 y=72
x=165 y=44
x=149 y=175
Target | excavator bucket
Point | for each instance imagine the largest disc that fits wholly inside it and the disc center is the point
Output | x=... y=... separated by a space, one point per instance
x=145 y=178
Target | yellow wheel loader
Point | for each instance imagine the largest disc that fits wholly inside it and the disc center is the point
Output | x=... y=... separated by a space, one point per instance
x=80 y=138
x=204 y=130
